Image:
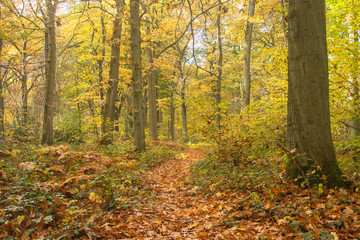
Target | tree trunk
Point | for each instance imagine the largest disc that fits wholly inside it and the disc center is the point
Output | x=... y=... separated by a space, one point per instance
x=93 y=115
x=50 y=62
x=2 y=107
x=309 y=134
x=118 y=112
x=172 y=113
x=24 y=90
x=151 y=77
x=355 y=122
x=220 y=65
x=138 y=105
x=129 y=126
x=101 y=63
x=112 y=93
x=182 y=78
x=247 y=55
x=183 y=116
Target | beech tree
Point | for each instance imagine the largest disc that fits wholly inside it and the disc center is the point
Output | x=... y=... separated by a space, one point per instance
x=50 y=62
x=151 y=80
x=247 y=54
x=308 y=131
x=136 y=79
x=2 y=128
x=112 y=92
x=220 y=65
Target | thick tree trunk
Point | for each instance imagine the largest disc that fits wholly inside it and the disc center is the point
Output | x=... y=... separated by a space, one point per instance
x=50 y=62
x=112 y=93
x=309 y=134
x=247 y=55
x=220 y=66
x=138 y=109
x=151 y=78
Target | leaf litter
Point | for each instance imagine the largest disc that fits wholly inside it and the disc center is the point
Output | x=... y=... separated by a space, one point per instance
x=59 y=193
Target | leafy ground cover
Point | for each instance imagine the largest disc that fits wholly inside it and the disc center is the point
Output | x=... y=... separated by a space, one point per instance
x=169 y=192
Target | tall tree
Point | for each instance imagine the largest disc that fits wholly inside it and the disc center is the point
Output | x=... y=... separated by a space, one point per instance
x=309 y=134
x=220 y=65
x=151 y=79
x=24 y=88
x=136 y=81
x=2 y=110
x=183 y=77
x=247 y=54
x=355 y=94
x=50 y=62
x=100 y=61
x=112 y=92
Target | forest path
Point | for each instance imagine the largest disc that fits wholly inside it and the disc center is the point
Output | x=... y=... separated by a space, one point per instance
x=179 y=211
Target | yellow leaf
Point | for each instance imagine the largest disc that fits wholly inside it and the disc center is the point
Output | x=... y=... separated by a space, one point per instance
x=21 y=218
x=92 y=196
x=220 y=207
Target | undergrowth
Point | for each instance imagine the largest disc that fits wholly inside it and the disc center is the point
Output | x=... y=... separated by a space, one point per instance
x=60 y=192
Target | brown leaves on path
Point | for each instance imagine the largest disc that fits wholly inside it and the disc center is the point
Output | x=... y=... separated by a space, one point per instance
x=179 y=211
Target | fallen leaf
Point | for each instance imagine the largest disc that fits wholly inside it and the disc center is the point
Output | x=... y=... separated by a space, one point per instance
x=92 y=196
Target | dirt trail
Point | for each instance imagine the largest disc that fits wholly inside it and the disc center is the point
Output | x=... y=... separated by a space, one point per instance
x=178 y=212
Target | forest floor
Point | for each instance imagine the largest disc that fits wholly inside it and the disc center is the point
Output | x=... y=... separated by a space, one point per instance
x=179 y=211
x=105 y=193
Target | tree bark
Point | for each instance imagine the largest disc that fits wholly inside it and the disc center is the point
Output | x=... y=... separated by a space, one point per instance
x=182 y=78
x=93 y=115
x=24 y=89
x=151 y=78
x=2 y=107
x=101 y=63
x=112 y=93
x=129 y=126
x=220 y=66
x=355 y=122
x=172 y=116
x=50 y=62
x=184 y=116
x=308 y=133
x=138 y=105
x=247 y=55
